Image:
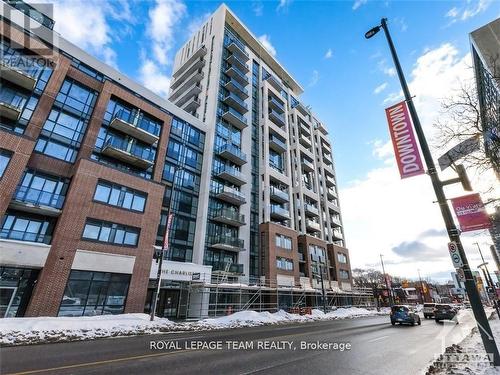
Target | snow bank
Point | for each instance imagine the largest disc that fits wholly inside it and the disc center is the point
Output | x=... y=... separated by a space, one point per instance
x=20 y=331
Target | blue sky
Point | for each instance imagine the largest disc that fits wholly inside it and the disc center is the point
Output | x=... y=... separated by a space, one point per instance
x=348 y=81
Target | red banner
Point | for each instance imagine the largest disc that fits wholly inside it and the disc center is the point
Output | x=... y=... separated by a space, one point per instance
x=471 y=213
x=167 y=231
x=403 y=141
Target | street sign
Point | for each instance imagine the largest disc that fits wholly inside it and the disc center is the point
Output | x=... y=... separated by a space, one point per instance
x=455 y=256
x=460 y=275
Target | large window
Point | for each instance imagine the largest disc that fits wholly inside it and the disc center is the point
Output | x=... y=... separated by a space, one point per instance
x=284 y=264
x=341 y=258
x=284 y=242
x=344 y=275
x=4 y=161
x=112 y=233
x=120 y=196
x=41 y=189
x=26 y=228
x=94 y=293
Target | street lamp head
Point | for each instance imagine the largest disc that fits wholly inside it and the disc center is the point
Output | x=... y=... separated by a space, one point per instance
x=370 y=33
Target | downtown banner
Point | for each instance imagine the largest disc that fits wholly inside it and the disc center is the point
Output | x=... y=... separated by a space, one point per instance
x=471 y=213
x=404 y=141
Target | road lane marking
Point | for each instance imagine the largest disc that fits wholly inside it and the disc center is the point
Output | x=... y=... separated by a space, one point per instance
x=378 y=338
x=103 y=362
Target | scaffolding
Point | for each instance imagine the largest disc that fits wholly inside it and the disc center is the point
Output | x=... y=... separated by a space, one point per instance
x=226 y=294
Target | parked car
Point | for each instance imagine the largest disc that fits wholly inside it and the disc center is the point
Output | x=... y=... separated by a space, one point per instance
x=444 y=311
x=404 y=314
x=429 y=310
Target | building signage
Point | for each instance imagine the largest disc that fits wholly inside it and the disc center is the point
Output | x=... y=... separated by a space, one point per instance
x=182 y=271
x=404 y=141
x=454 y=254
x=471 y=213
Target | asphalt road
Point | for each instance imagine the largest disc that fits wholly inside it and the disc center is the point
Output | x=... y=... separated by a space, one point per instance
x=376 y=348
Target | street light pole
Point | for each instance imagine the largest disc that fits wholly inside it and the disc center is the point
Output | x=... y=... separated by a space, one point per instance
x=489 y=280
x=164 y=250
x=391 y=302
x=421 y=287
x=453 y=233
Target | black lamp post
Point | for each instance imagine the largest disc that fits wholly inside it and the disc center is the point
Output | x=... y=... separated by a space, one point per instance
x=453 y=233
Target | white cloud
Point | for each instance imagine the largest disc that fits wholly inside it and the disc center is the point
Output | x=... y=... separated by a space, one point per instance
x=385 y=68
x=163 y=18
x=380 y=88
x=329 y=54
x=266 y=42
x=470 y=10
x=381 y=212
x=314 y=78
x=358 y=3
x=258 y=8
x=283 y=5
x=196 y=23
x=153 y=78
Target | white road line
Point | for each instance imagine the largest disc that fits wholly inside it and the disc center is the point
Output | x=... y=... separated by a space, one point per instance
x=378 y=338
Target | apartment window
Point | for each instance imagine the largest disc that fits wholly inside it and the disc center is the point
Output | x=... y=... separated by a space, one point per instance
x=344 y=275
x=41 y=189
x=284 y=264
x=94 y=293
x=284 y=242
x=341 y=258
x=120 y=196
x=4 y=161
x=112 y=233
x=25 y=228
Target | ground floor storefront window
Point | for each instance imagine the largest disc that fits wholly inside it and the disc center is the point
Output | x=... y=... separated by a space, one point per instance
x=16 y=286
x=94 y=293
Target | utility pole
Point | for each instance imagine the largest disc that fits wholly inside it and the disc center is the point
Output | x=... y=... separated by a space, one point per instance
x=489 y=280
x=320 y=265
x=421 y=287
x=164 y=250
x=453 y=233
x=389 y=290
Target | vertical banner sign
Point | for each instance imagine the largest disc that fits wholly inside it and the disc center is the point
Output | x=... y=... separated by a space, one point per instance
x=404 y=141
x=167 y=231
x=471 y=213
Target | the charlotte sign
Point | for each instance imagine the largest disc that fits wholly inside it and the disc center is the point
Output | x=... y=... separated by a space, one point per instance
x=470 y=212
x=403 y=141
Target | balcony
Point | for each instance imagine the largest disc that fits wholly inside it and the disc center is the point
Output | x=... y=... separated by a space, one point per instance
x=307 y=166
x=313 y=226
x=276 y=105
x=331 y=193
x=237 y=75
x=36 y=201
x=337 y=235
x=309 y=187
x=195 y=59
x=274 y=82
x=232 y=153
x=311 y=210
x=230 y=195
x=304 y=129
x=280 y=213
x=302 y=109
x=190 y=92
x=319 y=126
x=189 y=82
x=226 y=267
x=235 y=118
x=277 y=118
x=236 y=61
x=305 y=141
x=279 y=195
x=230 y=217
x=24 y=236
x=301 y=257
x=236 y=102
x=335 y=222
x=128 y=152
x=333 y=206
x=233 y=86
x=231 y=175
x=228 y=243
x=23 y=78
x=236 y=47
x=277 y=144
x=192 y=104
x=135 y=126
x=10 y=109
x=330 y=182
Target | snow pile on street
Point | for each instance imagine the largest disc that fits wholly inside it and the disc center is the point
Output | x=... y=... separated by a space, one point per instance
x=469 y=356
x=20 y=331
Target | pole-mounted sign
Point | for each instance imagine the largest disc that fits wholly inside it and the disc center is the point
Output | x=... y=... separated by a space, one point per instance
x=404 y=141
x=455 y=255
x=471 y=213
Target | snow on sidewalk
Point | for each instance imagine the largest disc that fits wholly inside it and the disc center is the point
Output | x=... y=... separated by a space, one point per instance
x=21 y=331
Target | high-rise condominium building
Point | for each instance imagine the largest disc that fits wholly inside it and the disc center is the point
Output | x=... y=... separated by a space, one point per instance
x=91 y=162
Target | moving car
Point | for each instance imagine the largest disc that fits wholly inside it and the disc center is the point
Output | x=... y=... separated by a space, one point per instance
x=404 y=314
x=429 y=310
x=444 y=311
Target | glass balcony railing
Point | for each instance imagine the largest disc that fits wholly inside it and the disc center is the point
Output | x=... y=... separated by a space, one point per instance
x=25 y=236
x=276 y=117
x=277 y=167
x=235 y=44
x=242 y=121
x=231 y=174
x=277 y=141
x=280 y=211
x=277 y=103
x=232 y=195
x=131 y=148
x=228 y=267
x=233 y=99
x=311 y=209
x=237 y=73
x=234 y=59
x=223 y=240
x=12 y=99
x=138 y=121
x=37 y=197
x=279 y=194
x=233 y=151
x=239 y=86
x=228 y=216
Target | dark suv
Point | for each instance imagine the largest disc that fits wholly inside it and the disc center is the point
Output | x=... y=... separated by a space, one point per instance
x=403 y=314
x=444 y=311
